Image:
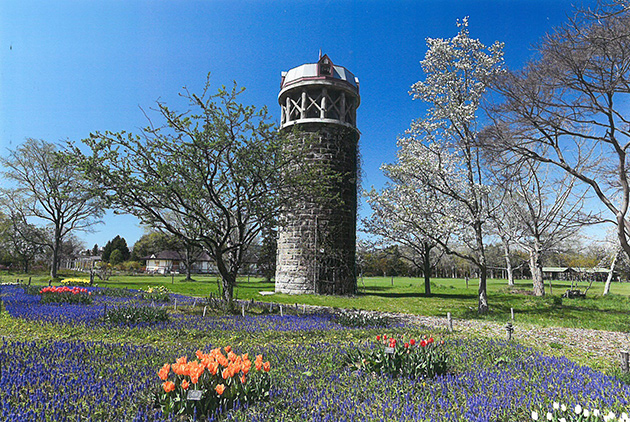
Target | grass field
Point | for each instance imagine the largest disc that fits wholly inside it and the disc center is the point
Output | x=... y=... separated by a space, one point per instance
x=406 y=295
x=66 y=362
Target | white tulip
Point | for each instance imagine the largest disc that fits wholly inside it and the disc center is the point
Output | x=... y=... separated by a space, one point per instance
x=534 y=415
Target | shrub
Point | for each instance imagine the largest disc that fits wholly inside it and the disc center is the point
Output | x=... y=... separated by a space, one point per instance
x=69 y=295
x=423 y=359
x=157 y=294
x=358 y=319
x=135 y=314
x=211 y=384
x=31 y=290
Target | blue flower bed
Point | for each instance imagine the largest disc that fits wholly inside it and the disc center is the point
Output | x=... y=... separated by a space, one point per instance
x=72 y=381
x=22 y=305
x=83 y=381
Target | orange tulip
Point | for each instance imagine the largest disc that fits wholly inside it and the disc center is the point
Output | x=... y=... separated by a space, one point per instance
x=243 y=379
x=220 y=389
x=163 y=374
x=168 y=386
x=227 y=349
x=266 y=366
x=225 y=374
x=213 y=368
x=258 y=364
x=185 y=385
x=222 y=360
x=178 y=369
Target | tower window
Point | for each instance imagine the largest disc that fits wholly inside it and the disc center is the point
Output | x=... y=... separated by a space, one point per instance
x=325 y=66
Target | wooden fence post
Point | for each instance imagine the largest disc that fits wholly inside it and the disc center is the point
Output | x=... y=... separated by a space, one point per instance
x=625 y=357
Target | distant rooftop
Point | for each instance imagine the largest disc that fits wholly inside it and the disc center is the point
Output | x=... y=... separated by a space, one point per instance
x=323 y=69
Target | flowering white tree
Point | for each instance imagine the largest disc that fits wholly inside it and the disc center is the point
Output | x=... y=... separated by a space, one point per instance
x=403 y=213
x=439 y=153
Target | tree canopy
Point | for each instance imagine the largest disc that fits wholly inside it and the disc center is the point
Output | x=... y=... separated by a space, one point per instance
x=212 y=176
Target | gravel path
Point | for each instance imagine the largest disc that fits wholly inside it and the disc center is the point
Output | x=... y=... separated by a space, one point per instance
x=593 y=346
x=596 y=348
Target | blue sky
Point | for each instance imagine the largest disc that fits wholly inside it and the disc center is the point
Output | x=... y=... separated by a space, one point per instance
x=71 y=67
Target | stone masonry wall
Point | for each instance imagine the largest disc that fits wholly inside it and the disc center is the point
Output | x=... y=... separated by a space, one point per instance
x=316 y=246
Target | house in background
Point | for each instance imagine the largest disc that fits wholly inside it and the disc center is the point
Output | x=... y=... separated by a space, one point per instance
x=173 y=261
x=577 y=273
x=558 y=273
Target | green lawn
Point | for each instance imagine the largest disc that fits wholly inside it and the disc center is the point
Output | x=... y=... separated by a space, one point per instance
x=407 y=295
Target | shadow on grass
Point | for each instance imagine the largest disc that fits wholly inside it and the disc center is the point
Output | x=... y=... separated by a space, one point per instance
x=417 y=295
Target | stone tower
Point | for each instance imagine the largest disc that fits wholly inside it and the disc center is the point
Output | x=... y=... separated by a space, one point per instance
x=316 y=245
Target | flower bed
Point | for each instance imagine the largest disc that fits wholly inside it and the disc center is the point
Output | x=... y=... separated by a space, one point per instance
x=212 y=384
x=65 y=294
x=487 y=380
x=76 y=281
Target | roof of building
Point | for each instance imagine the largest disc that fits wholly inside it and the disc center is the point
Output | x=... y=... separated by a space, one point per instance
x=575 y=269
x=557 y=269
x=312 y=71
x=177 y=256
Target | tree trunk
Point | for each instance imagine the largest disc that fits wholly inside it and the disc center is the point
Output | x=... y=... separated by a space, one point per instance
x=54 y=265
x=427 y=269
x=228 y=279
x=228 y=289
x=483 y=271
x=535 y=265
x=25 y=265
x=610 y=273
x=188 y=263
x=508 y=263
x=483 y=293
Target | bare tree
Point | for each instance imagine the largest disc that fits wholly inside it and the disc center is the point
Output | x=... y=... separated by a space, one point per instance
x=544 y=211
x=51 y=189
x=568 y=107
x=22 y=241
